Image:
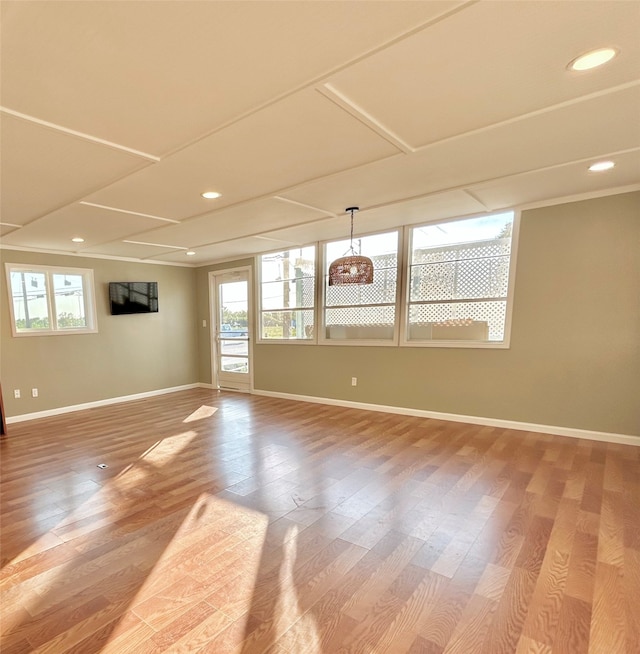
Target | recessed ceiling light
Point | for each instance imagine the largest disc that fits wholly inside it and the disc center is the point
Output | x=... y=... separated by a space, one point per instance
x=211 y=195
x=600 y=166
x=190 y=253
x=77 y=239
x=592 y=59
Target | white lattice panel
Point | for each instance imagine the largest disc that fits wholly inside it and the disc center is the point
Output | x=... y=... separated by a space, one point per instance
x=480 y=250
x=383 y=290
x=494 y=313
x=382 y=261
x=453 y=280
x=361 y=316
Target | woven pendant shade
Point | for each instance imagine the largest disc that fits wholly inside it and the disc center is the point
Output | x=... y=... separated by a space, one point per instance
x=352 y=268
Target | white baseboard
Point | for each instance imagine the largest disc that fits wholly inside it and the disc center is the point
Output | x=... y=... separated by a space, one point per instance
x=606 y=437
x=90 y=405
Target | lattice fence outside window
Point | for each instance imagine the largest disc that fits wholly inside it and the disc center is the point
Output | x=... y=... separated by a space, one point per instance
x=459 y=290
x=364 y=312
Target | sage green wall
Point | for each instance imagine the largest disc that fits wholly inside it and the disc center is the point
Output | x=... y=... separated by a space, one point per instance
x=129 y=354
x=574 y=359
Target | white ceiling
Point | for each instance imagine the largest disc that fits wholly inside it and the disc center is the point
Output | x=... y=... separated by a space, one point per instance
x=116 y=116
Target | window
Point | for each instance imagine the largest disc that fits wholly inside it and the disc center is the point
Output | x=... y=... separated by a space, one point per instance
x=287 y=295
x=459 y=281
x=46 y=300
x=363 y=312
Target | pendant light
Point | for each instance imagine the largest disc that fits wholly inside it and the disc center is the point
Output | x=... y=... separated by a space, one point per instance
x=352 y=268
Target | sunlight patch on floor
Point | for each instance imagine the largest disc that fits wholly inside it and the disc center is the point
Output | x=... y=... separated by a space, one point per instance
x=75 y=523
x=45 y=542
x=288 y=609
x=201 y=550
x=165 y=450
x=199 y=414
x=208 y=531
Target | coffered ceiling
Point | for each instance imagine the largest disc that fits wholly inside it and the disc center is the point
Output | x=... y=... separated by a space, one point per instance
x=116 y=116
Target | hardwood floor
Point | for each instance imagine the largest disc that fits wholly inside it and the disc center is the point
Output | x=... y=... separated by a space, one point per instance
x=235 y=523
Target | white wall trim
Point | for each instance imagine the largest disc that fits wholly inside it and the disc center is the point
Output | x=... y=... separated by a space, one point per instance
x=623 y=439
x=90 y=405
x=90 y=255
x=606 y=437
x=81 y=135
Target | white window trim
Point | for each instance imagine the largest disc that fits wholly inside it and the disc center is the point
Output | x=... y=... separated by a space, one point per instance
x=88 y=289
x=323 y=264
x=478 y=345
x=402 y=295
x=258 y=281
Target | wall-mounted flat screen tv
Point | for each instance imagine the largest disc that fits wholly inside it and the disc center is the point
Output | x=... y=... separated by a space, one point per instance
x=133 y=297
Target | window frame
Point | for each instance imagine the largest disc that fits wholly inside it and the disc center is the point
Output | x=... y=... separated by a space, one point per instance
x=505 y=343
x=88 y=296
x=258 y=302
x=402 y=304
x=322 y=291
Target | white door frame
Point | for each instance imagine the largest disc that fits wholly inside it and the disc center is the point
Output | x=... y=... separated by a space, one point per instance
x=216 y=277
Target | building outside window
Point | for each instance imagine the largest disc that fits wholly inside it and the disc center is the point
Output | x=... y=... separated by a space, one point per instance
x=457 y=288
x=46 y=300
x=460 y=276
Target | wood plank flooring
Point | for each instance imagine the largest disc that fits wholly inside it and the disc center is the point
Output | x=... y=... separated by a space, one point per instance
x=231 y=523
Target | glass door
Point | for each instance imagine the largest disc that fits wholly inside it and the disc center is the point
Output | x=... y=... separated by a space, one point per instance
x=231 y=322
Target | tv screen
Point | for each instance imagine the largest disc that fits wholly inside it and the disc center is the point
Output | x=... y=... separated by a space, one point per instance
x=133 y=297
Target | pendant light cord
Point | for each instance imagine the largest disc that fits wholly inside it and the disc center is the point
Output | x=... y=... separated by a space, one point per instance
x=351 y=249
x=351 y=239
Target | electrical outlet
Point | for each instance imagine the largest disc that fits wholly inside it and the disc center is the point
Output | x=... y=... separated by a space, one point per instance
x=204 y=323
x=34 y=392
x=354 y=381
x=16 y=393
